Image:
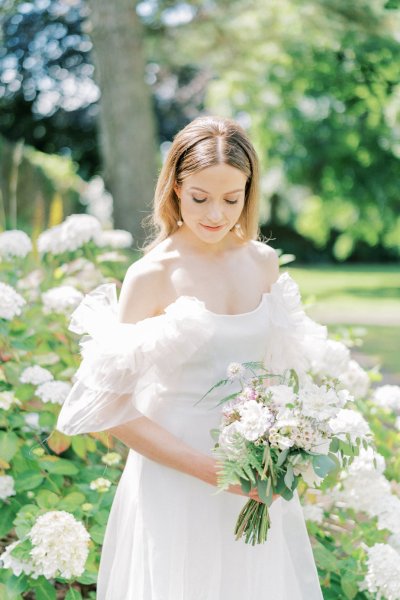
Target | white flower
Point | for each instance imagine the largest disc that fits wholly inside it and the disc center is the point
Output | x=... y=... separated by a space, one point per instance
x=61 y=299
x=235 y=370
x=319 y=402
x=334 y=359
x=73 y=233
x=387 y=396
x=100 y=484
x=11 y=302
x=111 y=458
x=352 y=422
x=61 y=545
x=116 y=238
x=389 y=514
x=32 y=421
x=383 y=576
x=35 y=375
x=14 y=244
x=313 y=512
x=15 y=564
x=355 y=379
x=6 y=486
x=7 y=399
x=81 y=273
x=255 y=420
x=282 y=395
x=232 y=442
x=303 y=466
x=53 y=391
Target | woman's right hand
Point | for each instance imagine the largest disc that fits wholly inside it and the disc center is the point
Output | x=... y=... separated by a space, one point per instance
x=253 y=494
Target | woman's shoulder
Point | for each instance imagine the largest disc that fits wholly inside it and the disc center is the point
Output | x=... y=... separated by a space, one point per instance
x=268 y=259
x=144 y=287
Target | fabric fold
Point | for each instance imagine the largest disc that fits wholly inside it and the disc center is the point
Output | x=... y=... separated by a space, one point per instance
x=291 y=333
x=124 y=364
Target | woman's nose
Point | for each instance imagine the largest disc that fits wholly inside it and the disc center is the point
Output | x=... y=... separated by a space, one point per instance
x=215 y=213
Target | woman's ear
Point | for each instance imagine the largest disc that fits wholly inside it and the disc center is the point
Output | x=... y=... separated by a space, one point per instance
x=177 y=189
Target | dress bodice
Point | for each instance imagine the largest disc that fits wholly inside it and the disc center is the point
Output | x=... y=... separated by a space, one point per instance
x=166 y=363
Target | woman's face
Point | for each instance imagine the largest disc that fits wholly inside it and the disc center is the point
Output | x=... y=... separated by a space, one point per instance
x=212 y=198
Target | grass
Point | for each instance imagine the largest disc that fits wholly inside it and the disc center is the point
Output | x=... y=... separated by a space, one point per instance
x=353 y=296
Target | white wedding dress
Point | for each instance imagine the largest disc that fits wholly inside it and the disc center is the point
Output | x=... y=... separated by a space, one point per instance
x=169 y=535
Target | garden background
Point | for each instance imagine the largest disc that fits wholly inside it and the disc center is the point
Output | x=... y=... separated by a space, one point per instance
x=91 y=95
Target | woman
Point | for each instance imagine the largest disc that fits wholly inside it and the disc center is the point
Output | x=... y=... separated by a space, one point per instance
x=204 y=294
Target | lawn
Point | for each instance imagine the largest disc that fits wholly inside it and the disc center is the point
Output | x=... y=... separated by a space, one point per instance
x=357 y=295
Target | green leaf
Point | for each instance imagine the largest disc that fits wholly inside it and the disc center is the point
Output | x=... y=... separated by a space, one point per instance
x=334 y=445
x=325 y=559
x=61 y=466
x=47 y=420
x=79 y=445
x=282 y=457
x=349 y=585
x=322 y=464
x=97 y=533
x=24 y=392
x=22 y=550
x=71 y=501
x=25 y=519
x=7 y=515
x=9 y=443
x=289 y=476
x=27 y=481
x=43 y=589
x=15 y=586
x=264 y=489
x=47 y=499
x=245 y=485
x=73 y=595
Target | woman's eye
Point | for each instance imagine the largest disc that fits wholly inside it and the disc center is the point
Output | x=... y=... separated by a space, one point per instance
x=232 y=201
x=199 y=199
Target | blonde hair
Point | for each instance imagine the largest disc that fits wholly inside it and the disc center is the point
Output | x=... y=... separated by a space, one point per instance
x=204 y=142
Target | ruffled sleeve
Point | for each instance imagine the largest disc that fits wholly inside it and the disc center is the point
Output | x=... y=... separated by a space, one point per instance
x=123 y=364
x=293 y=337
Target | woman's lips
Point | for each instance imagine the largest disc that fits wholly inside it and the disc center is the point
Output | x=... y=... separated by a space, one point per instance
x=212 y=228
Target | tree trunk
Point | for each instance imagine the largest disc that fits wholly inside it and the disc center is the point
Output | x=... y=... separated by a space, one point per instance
x=127 y=125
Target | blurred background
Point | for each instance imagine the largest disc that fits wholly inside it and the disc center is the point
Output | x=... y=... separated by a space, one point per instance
x=92 y=93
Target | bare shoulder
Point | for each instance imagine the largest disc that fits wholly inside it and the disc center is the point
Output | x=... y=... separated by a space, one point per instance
x=143 y=288
x=268 y=260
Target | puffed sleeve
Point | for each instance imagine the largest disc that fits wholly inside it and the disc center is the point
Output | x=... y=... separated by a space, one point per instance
x=123 y=364
x=293 y=337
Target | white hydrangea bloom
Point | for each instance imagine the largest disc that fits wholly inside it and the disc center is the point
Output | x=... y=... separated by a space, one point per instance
x=255 y=420
x=389 y=514
x=282 y=395
x=62 y=299
x=11 y=302
x=116 y=238
x=53 y=391
x=232 y=442
x=7 y=399
x=100 y=485
x=333 y=360
x=355 y=379
x=352 y=422
x=313 y=512
x=111 y=458
x=30 y=284
x=32 y=421
x=319 y=402
x=61 y=545
x=6 y=486
x=14 y=244
x=35 y=375
x=15 y=564
x=383 y=575
x=72 y=234
x=82 y=273
x=387 y=396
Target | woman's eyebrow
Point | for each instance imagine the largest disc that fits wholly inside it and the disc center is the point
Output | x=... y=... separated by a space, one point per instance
x=201 y=190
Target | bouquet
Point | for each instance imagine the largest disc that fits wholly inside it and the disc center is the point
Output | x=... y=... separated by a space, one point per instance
x=273 y=434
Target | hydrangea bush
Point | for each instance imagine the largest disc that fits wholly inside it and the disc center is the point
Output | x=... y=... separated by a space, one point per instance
x=56 y=490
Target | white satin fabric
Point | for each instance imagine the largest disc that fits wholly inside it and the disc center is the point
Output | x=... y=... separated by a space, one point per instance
x=170 y=536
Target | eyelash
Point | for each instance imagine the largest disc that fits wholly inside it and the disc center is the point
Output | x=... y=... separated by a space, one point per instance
x=201 y=200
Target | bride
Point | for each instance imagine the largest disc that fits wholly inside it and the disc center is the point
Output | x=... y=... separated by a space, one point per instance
x=206 y=292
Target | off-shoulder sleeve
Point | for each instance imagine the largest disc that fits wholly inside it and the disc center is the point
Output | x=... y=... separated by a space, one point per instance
x=293 y=337
x=123 y=363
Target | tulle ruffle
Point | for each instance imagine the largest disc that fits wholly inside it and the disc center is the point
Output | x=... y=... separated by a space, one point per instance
x=125 y=364
x=293 y=337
